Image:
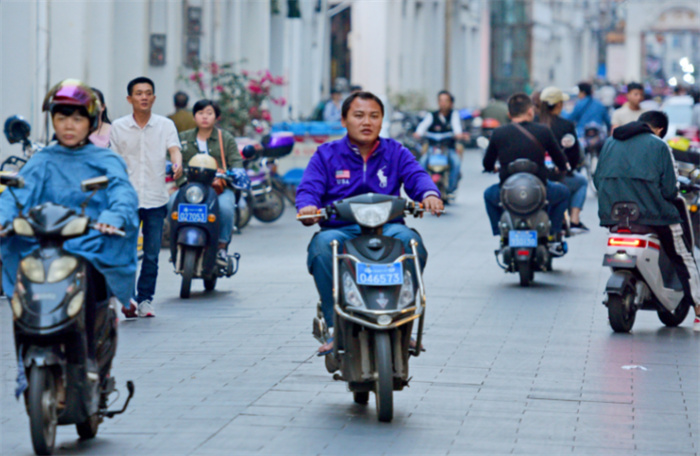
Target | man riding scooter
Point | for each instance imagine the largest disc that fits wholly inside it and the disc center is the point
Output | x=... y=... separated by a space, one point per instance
x=637 y=167
x=359 y=163
x=523 y=138
x=444 y=120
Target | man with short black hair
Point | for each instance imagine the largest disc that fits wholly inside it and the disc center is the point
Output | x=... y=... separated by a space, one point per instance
x=509 y=143
x=359 y=163
x=637 y=166
x=182 y=117
x=630 y=111
x=143 y=139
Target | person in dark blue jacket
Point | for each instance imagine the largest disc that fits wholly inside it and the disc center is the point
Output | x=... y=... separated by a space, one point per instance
x=359 y=163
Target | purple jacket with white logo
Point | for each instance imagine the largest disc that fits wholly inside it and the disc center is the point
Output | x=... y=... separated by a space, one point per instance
x=337 y=171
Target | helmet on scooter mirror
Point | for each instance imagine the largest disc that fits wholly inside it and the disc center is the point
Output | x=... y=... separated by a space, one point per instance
x=73 y=92
x=201 y=168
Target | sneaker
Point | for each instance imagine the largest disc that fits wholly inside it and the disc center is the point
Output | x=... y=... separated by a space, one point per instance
x=579 y=227
x=222 y=258
x=696 y=324
x=130 y=311
x=146 y=309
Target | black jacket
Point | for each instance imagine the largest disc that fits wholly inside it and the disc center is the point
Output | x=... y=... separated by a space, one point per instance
x=509 y=144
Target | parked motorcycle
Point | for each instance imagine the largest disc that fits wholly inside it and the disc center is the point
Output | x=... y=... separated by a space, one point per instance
x=194 y=227
x=53 y=293
x=525 y=225
x=378 y=293
x=265 y=201
x=643 y=277
x=437 y=161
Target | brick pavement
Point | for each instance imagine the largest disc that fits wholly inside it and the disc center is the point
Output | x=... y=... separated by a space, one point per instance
x=507 y=371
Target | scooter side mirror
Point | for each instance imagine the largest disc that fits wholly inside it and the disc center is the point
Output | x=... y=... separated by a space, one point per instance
x=94 y=184
x=17 y=129
x=249 y=152
x=10 y=180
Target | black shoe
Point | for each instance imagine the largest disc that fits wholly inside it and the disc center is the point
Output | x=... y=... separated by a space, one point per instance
x=579 y=228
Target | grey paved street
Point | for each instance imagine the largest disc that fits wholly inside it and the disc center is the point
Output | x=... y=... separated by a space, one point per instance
x=507 y=370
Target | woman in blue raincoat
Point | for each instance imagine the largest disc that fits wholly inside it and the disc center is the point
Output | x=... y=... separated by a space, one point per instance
x=54 y=175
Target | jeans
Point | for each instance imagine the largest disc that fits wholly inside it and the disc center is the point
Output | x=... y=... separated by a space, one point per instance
x=320 y=257
x=455 y=168
x=557 y=196
x=577 y=185
x=227 y=211
x=152 y=228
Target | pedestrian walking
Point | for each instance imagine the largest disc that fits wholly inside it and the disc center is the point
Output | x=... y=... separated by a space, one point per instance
x=143 y=138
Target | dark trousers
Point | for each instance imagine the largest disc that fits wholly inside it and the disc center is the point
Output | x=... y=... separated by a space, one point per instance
x=152 y=228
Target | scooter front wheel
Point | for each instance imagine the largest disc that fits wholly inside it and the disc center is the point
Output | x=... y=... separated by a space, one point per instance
x=620 y=311
x=384 y=386
x=43 y=416
x=190 y=255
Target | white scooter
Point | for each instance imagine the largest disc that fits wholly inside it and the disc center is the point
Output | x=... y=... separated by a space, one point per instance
x=643 y=277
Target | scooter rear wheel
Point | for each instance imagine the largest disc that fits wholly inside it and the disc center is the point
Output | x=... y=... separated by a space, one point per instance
x=361 y=397
x=88 y=428
x=675 y=318
x=384 y=386
x=210 y=284
x=620 y=312
x=187 y=272
x=43 y=416
x=526 y=274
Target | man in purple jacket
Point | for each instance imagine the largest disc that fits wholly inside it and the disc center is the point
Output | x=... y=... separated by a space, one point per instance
x=359 y=163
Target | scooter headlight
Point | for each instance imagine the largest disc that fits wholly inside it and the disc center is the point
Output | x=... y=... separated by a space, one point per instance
x=75 y=227
x=22 y=227
x=371 y=215
x=194 y=194
x=33 y=269
x=384 y=320
x=351 y=292
x=406 y=295
x=75 y=304
x=62 y=268
x=16 y=305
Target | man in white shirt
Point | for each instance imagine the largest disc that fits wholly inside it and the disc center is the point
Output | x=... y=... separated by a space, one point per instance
x=444 y=120
x=143 y=139
x=630 y=111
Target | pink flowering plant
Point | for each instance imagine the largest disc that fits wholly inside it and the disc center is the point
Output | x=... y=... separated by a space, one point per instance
x=244 y=97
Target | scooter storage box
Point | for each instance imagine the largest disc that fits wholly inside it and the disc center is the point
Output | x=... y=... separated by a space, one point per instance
x=279 y=144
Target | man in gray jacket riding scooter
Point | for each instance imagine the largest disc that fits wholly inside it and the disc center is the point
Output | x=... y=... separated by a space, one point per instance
x=636 y=166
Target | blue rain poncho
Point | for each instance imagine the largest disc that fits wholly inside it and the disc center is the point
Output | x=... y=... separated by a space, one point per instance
x=54 y=175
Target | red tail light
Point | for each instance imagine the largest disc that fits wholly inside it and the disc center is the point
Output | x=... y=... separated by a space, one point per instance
x=522 y=252
x=626 y=242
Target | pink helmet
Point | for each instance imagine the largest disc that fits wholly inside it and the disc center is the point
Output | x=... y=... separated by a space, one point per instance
x=72 y=92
